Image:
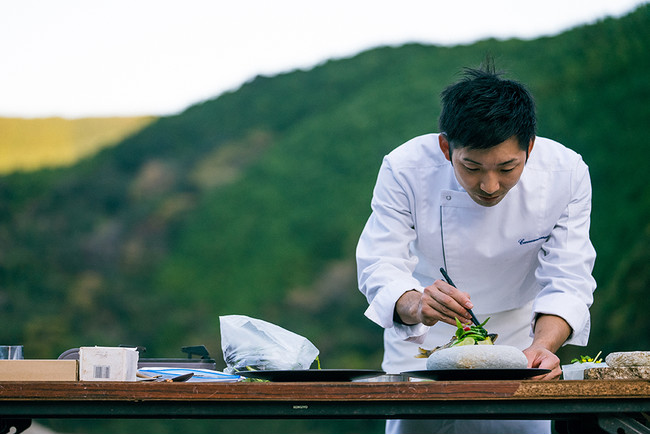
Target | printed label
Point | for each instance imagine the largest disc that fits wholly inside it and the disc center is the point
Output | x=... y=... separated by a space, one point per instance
x=102 y=372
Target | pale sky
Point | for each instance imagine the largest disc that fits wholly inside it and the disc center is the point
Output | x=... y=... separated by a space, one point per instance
x=80 y=58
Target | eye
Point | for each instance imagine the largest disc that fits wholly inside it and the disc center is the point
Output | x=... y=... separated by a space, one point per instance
x=507 y=170
x=468 y=169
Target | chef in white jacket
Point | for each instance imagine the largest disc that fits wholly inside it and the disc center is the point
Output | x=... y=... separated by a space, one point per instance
x=506 y=213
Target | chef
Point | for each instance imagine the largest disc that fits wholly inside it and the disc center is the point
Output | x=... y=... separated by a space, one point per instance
x=505 y=212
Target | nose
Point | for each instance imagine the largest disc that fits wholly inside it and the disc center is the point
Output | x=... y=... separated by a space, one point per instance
x=489 y=183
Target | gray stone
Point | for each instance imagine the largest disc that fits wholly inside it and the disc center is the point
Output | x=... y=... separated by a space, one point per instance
x=618 y=373
x=628 y=359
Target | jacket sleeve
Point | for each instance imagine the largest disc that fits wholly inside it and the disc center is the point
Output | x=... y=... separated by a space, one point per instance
x=384 y=263
x=566 y=263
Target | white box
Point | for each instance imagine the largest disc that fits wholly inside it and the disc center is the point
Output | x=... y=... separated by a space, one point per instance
x=576 y=371
x=107 y=363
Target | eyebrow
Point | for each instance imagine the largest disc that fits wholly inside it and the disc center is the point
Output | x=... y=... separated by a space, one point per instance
x=465 y=159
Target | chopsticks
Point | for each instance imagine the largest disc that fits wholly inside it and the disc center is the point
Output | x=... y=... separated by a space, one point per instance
x=451 y=283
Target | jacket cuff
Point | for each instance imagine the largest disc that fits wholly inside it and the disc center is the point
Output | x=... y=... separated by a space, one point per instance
x=572 y=310
x=382 y=308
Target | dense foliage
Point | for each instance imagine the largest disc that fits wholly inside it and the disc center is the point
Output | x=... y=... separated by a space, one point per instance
x=252 y=204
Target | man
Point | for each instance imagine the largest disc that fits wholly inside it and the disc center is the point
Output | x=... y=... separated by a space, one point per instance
x=507 y=215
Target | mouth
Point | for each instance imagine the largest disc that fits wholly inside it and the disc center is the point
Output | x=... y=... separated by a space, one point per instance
x=493 y=199
x=489 y=198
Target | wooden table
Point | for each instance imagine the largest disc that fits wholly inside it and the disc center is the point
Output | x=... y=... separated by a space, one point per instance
x=617 y=406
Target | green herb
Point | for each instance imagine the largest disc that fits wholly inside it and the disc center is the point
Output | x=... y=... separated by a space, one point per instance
x=478 y=333
x=587 y=358
x=253 y=380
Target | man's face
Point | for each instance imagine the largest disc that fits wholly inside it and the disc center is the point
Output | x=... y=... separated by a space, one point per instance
x=487 y=174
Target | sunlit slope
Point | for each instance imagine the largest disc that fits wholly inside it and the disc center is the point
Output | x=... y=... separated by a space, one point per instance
x=30 y=144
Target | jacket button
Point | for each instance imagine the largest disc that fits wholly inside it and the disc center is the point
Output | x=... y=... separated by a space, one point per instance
x=448 y=197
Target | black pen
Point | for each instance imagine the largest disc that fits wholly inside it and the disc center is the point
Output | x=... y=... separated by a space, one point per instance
x=451 y=283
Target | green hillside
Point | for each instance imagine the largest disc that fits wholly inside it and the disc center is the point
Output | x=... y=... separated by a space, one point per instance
x=252 y=203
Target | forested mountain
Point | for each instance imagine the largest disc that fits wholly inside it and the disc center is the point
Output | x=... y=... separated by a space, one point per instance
x=252 y=203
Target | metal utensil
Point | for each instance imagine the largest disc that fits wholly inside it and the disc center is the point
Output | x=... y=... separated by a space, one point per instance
x=451 y=283
x=160 y=378
x=181 y=378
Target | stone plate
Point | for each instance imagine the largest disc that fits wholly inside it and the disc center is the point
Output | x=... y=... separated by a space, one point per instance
x=312 y=375
x=476 y=374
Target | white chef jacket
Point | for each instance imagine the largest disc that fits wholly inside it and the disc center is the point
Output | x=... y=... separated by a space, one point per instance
x=528 y=254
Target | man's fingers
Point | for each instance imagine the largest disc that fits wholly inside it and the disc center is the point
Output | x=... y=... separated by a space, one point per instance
x=433 y=315
x=462 y=298
x=442 y=302
x=448 y=310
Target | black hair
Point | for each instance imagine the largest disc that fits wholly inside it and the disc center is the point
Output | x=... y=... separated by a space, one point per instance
x=483 y=110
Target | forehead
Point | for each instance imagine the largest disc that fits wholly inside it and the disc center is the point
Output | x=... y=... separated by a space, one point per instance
x=505 y=152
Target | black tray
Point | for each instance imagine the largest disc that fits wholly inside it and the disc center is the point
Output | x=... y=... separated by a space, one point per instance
x=475 y=374
x=311 y=375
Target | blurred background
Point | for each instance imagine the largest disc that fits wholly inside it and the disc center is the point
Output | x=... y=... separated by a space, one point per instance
x=166 y=163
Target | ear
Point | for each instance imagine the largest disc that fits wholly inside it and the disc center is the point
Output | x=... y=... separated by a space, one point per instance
x=530 y=147
x=444 y=145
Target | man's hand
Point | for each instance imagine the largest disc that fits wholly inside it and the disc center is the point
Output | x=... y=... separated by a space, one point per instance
x=550 y=333
x=439 y=302
x=542 y=358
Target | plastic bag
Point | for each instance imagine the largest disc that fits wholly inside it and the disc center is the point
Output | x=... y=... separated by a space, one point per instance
x=249 y=343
